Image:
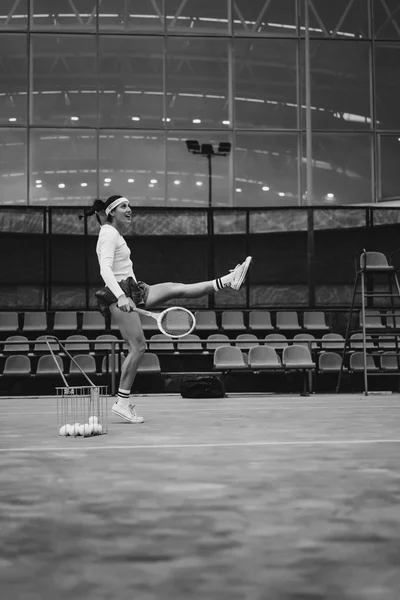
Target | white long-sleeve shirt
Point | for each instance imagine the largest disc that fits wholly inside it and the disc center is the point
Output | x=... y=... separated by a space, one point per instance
x=114 y=258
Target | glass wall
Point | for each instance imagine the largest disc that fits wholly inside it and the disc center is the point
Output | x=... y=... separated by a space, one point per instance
x=100 y=97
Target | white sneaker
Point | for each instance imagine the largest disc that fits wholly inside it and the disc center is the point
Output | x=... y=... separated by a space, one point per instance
x=128 y=413
x=239 y=274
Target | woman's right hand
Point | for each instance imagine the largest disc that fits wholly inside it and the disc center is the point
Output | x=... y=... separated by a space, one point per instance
x=124 y=303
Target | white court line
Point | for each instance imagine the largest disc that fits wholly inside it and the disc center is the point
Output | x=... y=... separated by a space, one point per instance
x=332 y=409
x=216 y=445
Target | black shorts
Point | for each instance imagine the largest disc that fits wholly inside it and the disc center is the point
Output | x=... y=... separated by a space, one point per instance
x=138 y=291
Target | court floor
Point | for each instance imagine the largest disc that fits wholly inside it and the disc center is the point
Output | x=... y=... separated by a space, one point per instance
x=250 y=497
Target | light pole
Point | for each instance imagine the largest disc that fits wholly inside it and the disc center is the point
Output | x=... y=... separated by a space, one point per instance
x=208 y=151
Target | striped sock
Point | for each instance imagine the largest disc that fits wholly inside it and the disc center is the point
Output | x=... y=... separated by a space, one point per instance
x=123 y=397
x=222 y=282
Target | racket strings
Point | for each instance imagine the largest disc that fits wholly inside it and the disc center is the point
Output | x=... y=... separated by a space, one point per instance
x=177 y=322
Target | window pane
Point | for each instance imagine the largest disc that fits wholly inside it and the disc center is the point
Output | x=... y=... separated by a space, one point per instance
x=13 y=166
x=64 y=80
x=340 y=85
x=197 y=15
x=13 y=15
x=133 y=164
x=131 y=81
x=338 y=19
x=266 y=169
x=265 y=81
x=387 y=78
x=386 y=19
x=64 y=14
x=131 y=15
x=13 y=79
x=197 y=82
x=63 y=167
x=390 y=172
x=188 y=178
x=342 y=168
x=276 y=17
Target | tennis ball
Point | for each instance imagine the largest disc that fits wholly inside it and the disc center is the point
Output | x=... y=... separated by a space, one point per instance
x=93 y=420
x=86 y=429
x=98 y=429
x=64 y=430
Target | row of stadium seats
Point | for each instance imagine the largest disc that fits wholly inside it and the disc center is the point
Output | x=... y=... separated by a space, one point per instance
x=226 y=358
x=80 y=343
x=208 y=320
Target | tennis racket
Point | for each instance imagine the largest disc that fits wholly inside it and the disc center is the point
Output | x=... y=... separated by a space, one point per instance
x=174 y=321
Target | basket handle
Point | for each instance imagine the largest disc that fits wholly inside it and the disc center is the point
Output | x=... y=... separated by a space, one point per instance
x=53 y=337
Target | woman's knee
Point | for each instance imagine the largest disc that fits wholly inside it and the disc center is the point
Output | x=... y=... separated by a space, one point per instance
x=137 y=347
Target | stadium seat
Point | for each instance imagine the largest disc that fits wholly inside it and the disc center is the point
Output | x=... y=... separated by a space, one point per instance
x=227 y=358
x=149 y=363
x=388 y=342
x=264 y=357
x=215 y=340
x=41 y=344
x=373 y=319
x=245 y=341
x=102 y=343
x=8 y=321
x=278 y=341
x=232 y=320
x=305 y=339
x=297 y=357
x=160 y=342
x=35 y=321
x=206 y=320
x=47 y=367
x=260 y=320
x=315 y=321
x=189 y=342
x=390 y=362
x=17 y=366
x=92 y=321
x=356 y=341
x=65 y=320
x=77 y=343
x=329 y=362
x=86 y=362
x=16 y=343
x=357 y=362
x=287 y=320
x=332 y=341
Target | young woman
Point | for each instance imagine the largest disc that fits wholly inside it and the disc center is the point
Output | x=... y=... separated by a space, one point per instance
x=123 y=292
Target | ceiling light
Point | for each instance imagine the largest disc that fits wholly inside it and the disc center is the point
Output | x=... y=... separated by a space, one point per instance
x=135 y=118
x=265 y=188
x=238 y=189
x=196 y=121
x=177 y=182
x=12 y=119
x=131 y=181
x=153 y=181
x=107 y=180
x=106 y=185
x=74 y=118
x=226 y=122
x=199 y=183
x=38 y=181
x=167 y=120
x=83 y=184
x=281 y=193
x=61 y=185
x=38 y=185
x=330 y=195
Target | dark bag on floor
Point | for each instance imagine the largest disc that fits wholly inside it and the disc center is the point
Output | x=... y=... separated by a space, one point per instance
x=202 y=386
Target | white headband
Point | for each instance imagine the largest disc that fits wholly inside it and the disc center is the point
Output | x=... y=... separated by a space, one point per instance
x=114 y=204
